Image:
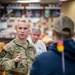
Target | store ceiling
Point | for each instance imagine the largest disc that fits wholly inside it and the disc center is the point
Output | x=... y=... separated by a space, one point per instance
x=42 y=1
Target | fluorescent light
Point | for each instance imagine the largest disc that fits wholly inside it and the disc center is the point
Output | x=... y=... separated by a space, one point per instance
x=28 y=1
x=62 y=0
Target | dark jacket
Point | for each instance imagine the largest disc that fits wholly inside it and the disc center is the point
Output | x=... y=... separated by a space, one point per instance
x=50 y=63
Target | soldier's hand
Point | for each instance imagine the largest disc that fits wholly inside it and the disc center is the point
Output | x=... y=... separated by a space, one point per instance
x=19 y=57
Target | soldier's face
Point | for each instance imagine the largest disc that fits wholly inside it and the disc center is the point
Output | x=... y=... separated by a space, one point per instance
x=35 y=35
x=22 y=30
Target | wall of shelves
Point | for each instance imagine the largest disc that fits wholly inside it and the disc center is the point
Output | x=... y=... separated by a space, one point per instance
x=35 y=14
x=13 y=8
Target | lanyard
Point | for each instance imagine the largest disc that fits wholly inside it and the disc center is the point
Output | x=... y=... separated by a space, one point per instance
x=60 y=47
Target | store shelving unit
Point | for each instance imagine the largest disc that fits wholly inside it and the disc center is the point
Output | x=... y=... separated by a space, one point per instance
x=34 y=10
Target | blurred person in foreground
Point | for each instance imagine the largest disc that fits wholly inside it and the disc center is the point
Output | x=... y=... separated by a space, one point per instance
x=33 y=38
x=50 y=62
x=17 y=56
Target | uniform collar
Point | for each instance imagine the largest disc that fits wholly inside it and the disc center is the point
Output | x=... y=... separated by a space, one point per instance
x=18 y=43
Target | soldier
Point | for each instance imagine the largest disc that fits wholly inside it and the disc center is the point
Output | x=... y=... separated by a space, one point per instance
x=18 y=55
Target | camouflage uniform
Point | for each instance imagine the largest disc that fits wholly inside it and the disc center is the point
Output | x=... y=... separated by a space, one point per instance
x=11 y=51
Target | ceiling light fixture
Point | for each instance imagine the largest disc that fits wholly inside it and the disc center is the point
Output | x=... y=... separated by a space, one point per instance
x=62 y=0
x=28 y=1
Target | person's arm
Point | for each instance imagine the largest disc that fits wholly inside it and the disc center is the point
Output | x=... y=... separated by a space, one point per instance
x=31 y=56
x=6 y=61
x=35 y=69
x=32 y=53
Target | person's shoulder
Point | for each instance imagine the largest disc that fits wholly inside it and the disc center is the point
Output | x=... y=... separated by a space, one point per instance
x=48 y=54
x=40 y=42
x=42 y=55
x=9 y=45
x=30 y=45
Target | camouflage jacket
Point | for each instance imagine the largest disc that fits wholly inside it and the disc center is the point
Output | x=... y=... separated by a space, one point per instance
x=14 y=48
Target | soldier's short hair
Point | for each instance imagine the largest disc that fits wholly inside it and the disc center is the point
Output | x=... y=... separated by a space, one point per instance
x=24 y=21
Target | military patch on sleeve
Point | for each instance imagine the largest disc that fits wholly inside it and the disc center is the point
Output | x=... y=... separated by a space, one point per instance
x=3 y=53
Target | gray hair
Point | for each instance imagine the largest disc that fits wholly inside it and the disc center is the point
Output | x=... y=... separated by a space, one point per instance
x=35 y=28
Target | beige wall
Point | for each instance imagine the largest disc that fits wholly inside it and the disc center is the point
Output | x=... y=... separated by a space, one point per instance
x=68 y=8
